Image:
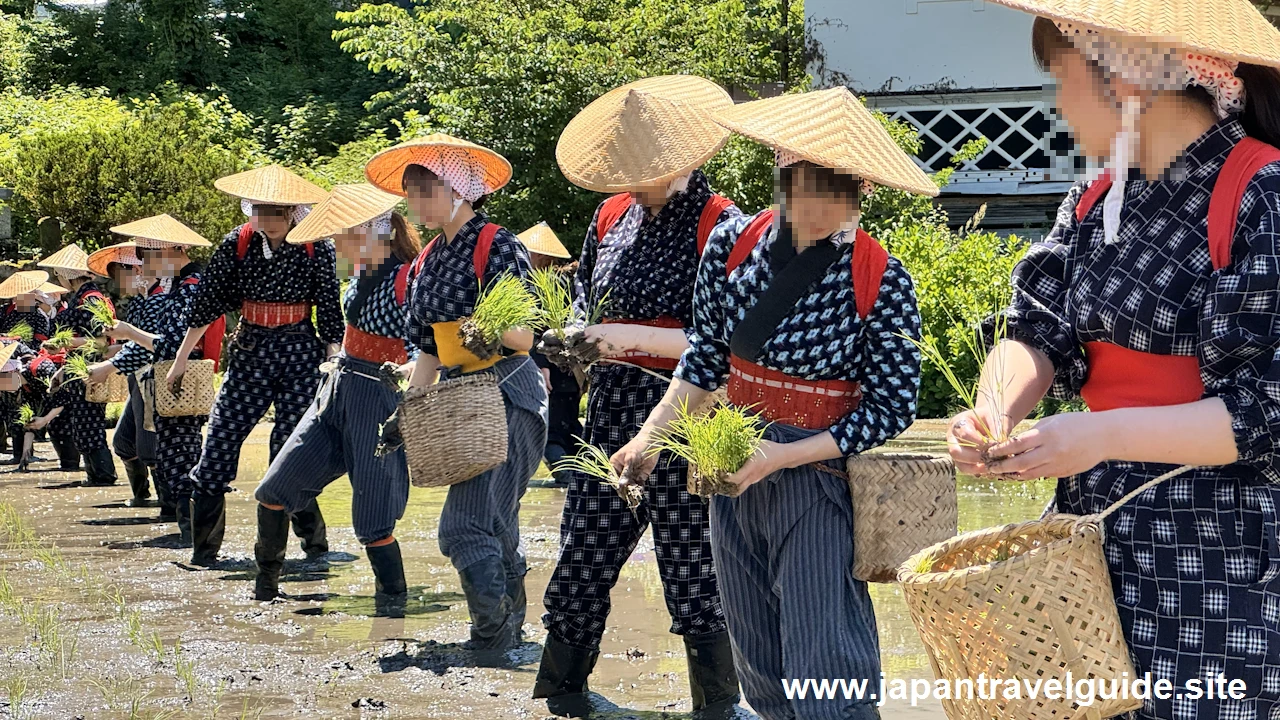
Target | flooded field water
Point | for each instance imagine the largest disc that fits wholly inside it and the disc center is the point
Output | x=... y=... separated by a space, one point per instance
x=112 y=624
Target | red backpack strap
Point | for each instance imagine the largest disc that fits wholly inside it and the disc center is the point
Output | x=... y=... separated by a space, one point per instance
x=1092 y=194
x=242 y=240
x=311 y=250
x=748 y=239
x=611 y=211
x=402 y=281
x=483 y=245
x=1247 y=158
x=711 y=213
x=95 y=295
x=211 y=341
x=869 y=262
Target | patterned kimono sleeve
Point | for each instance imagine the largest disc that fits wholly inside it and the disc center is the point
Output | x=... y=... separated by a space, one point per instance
x=39 y=323
x=329 y=322
x=584 y=298
x=131 y=358
x=1239 y=350
x=508 y=255
x=890 y=370
x=1037 y=314
x=419 y=334
x=706 y=361
x=219 y=285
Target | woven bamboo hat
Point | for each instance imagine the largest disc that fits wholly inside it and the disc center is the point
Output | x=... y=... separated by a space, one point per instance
x=21 y=283
x=7 y=351
x=159 y=231
x=70 y=259
x=123 y=253
x=271 y=185
x=541 y=240
x=830 y=128
x=346 y=207
x=386 y=169
x=643 y=133
x=1228 y=29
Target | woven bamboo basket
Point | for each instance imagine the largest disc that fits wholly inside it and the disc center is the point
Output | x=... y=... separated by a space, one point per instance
x=114 y=389
x=197 y=395
x=901 y=504
x=1028 y=601
x=453 y=430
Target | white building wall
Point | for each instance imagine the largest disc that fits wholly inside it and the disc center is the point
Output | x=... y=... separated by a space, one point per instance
x=914 y=45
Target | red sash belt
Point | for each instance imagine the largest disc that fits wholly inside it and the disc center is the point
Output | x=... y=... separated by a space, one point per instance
x=643 y=359
x=1120 y=377
x=781 y=398
x=373 y=348
x=271 y=315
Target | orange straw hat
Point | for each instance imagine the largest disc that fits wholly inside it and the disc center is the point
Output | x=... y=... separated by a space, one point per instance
x=541 y=240
x=122 y=253
x=471 y=170
x=643 y=133
x=348 y=206
x=832 y=129
x=26 y=281
x=71 y=260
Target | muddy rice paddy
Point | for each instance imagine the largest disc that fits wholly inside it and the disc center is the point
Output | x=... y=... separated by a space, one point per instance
x=101 y=618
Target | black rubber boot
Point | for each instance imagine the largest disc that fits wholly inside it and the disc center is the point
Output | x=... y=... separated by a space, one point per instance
x=182 y=514
x=100 y=468
x=68 y=455
x=712 y=677
x=519 y=603
x=208 y=525
x=563 y=670
x=168 y=509
x=485 y=585
x=391 y=593
x=268 y=551
x=139 y=482
x=308 y=525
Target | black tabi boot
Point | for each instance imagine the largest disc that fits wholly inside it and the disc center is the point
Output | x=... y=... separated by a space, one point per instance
x=308 y=525
x=139 y=482
x=100 y=468
x=563 y=670
x=208 y=525
x=168 y=509
x=712 y=677
x=485 y=585
x=519 y=603
x=68 y=455
x=268 y=551
x=182 y=514
x=391 y=594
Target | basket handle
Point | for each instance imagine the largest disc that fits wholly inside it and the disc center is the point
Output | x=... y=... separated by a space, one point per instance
x=1099 y=517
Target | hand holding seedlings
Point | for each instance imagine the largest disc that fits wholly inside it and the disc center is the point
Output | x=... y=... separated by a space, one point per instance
x=503 y=306
x=767 y=460
x=612 y=340
x=1058 y=446
x=968 y=444
x=592 y=462
x=99 y=372
x=121 y=330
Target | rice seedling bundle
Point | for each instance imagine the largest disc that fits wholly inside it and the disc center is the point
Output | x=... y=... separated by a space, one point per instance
x=23 y=332
x=62 y=339
x=102 y=315
x=715 y=444
x=506 y=304
x=594 y=462
x=76 y=367
x=26 y=414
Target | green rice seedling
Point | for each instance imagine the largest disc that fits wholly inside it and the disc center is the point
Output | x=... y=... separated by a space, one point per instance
x=61 y=339
x=716 y=445
x=16 y=688
x=76 y=367
x=555 y=298
x=186 y=672
x=8 y=599
x=133 y=627
x=156 y=645
x=506 y=304
x=26 y=414
x=23 y=332
x=924 y=564
x=101 y=314
x=594 y=462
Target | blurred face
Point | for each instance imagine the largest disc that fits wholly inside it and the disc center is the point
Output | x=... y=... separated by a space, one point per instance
x=541 y=262
x=430 y=201
x=356 y=246
x=125 y=278
x=1088 y=101
x=652 y=196
x=272 y=220
x=815 y=211
x=25 y=302
x=162 y=262
x=10 y=381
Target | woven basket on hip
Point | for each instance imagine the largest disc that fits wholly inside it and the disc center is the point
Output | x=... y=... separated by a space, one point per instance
x=1029 y=601
x=453 y=430
x=114 y=389
x=197 y=394
x=901 y=504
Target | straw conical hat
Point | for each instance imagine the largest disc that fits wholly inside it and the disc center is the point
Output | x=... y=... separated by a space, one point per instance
x=162 y=230
x=271 y=185
x=21 y=283
x=541 y=240
x=7 y=351
x=643 y=133
x=833 y=129
x=346 y=207
x=386 y=169
x=122 y=253
x=1229 y=29
x=70 y=258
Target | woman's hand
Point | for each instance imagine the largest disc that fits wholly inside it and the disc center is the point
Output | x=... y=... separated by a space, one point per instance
x=518 y=339
x=546 y=378
x=1058 y=446
x=968 y=439
x=768 y=459
x=99 y=372
x=37 y=423
x=176 y=371
x=633 y=462
x=611 y=340
x=122 y=330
